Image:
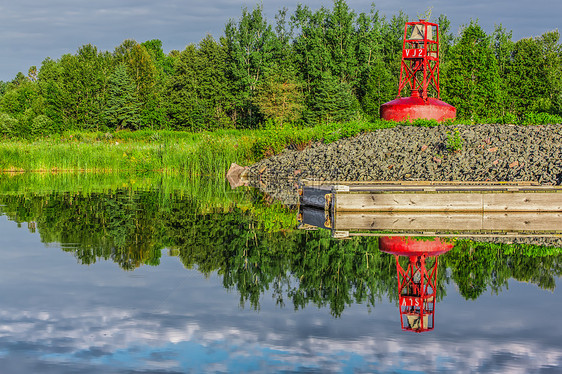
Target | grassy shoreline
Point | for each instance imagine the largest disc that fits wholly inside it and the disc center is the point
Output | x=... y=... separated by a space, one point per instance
x=193 y=154
x=203 y=155
x=170 y=152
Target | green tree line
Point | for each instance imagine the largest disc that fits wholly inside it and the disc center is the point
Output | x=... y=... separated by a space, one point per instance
x=309 y=67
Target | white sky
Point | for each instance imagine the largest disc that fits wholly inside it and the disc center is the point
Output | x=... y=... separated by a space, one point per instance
x=31 y=30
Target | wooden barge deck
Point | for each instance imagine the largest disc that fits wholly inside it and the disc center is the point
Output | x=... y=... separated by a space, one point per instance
x=430 y=208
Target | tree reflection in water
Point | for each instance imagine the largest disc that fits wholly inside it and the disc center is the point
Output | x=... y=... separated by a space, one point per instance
x=255 y=248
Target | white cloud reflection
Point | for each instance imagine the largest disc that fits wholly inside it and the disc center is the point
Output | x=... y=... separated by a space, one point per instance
x=122 y=340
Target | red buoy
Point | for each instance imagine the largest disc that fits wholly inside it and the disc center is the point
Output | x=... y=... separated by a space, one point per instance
x=419 y=74
x=417 y=281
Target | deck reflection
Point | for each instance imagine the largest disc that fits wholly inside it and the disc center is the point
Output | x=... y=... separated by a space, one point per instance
x=524 y=224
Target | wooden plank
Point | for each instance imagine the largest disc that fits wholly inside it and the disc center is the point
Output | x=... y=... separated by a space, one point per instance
x=408 y=221
x=408 y=202
x=449 y=202
x=308 y=182
x=435 y=197
x=456 y=235
x=453 y=188
x=384 y=187
x=522 y=202
x=518 y=221
x=442 y=221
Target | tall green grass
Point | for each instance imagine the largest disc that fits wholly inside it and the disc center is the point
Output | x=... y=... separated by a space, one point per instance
x=206 y=154
x=192 y=154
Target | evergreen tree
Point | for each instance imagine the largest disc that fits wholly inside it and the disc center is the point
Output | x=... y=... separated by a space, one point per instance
x=123 y=107
x=280 y=98
x=310 y=53
x=378 y=84
x=250 y=44
x=380 y=88
x=527 y=82
x=503 y=49
x=280 y=94
x=21 y=104
x=198 y=94
x=164 y=64
x=49 y=81
x=283 y=56
x=552 y=58
x=341 y=39
x=75 y=87
x=472 y=83
x=142 y=68
x=19 y=79
x=3 y=87
x=334 y=100
x=154 y=112
x=327 y=53
x=446 y=38
x=18 y=97
x=393 y=36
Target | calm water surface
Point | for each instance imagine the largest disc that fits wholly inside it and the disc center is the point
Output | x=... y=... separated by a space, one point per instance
x=152 y=281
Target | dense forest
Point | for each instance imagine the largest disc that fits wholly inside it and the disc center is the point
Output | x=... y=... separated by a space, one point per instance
x=309 y=67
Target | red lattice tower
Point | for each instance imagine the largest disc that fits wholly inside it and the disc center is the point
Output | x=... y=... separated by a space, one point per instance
x=419 y=74
x=417 y=282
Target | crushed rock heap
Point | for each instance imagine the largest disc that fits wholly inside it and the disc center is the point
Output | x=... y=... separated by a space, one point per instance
x=486 y=152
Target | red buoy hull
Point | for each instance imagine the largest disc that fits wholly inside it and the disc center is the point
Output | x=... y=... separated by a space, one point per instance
x=412 y=108
x=406 y=246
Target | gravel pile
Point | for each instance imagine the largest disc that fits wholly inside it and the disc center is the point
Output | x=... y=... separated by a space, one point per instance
x=487 y=153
